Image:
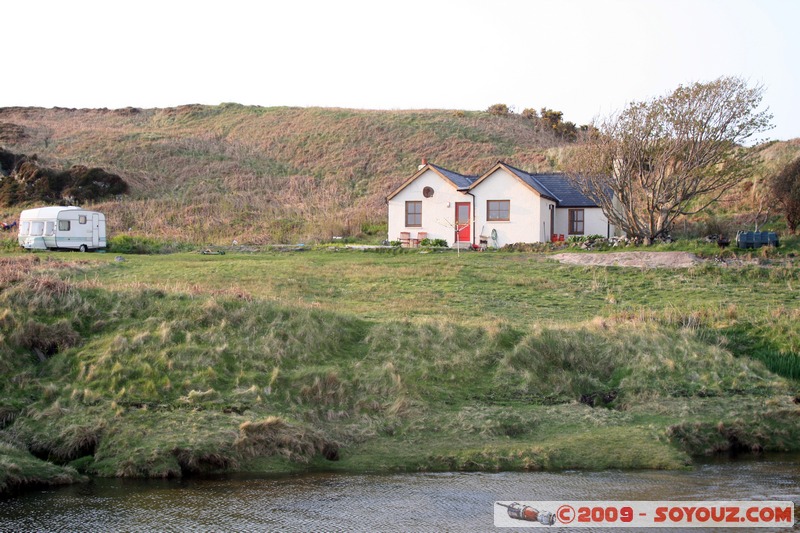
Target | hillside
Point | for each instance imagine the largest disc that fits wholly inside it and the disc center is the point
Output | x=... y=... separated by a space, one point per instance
x=211 y=174
x=215 y=173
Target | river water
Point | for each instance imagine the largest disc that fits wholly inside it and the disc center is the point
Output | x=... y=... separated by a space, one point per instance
x=402 y=502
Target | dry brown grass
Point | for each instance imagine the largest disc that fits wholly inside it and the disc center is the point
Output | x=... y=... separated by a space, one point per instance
x=14 y=269
x=325 y=390
x=46 y=339
x=275 y=436
x=194 y=461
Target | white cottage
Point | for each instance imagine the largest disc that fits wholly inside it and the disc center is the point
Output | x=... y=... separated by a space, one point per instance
x=505 y=205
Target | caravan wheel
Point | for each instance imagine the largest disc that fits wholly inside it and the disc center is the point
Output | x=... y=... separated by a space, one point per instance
x=83 y=248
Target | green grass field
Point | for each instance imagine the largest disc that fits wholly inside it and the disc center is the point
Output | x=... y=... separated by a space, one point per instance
x=468 y=288
x=334 y=359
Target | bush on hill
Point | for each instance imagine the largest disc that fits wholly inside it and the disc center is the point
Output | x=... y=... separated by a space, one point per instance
x=29 y=182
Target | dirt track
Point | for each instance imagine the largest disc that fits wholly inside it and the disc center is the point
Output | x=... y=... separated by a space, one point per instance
x=631 y=259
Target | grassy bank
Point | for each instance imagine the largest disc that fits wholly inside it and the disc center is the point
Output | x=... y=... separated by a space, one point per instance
x=281 y=362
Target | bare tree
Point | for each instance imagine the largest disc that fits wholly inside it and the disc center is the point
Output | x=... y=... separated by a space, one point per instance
x=670 y=156
x=760 y=198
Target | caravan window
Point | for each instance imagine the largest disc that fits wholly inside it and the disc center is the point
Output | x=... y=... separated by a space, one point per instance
x=37 y=227
x=26 y=226
x=81 y=219
x=63 y=225
x=49 y=228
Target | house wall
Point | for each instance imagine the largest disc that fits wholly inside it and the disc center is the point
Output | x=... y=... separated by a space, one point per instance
x=438 y=211
x=524 y=224
x=594 y=221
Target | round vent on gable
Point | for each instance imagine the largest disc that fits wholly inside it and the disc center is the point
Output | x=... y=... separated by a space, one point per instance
x=427 y=192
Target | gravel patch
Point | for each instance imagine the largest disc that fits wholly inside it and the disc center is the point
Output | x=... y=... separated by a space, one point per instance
x=631 y=259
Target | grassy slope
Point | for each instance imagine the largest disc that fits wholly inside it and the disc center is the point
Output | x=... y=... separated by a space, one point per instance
x=169 y=365
x=214 y=173
x=211 y=174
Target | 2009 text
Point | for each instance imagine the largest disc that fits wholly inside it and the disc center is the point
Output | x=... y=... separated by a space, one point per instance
x=647 y=514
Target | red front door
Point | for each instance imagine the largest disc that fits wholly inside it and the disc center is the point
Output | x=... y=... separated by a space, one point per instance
x=463 y=223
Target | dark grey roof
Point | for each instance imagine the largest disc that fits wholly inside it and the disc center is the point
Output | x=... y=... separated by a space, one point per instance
x=554 y=186
x=568 y=195
x=459 y=180
x=533 y=181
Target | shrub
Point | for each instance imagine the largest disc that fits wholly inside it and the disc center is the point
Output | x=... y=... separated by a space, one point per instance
x=368 y=228
x=433 y=242
x=9 y=244
x=499 y=110
x=30 y=182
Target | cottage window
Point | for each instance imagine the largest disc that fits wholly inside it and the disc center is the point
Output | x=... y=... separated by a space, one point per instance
x=63 y=225
x=413 y=214
x=576 y=221
x=498 y=210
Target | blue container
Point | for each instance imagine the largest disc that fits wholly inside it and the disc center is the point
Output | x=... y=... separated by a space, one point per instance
x=772 y=239
x=756 y=239
x=745 y=239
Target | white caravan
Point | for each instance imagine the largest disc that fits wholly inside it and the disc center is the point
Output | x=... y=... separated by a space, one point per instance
x=73 y=228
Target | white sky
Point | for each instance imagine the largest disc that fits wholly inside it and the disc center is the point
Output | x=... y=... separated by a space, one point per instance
x=583 y=57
